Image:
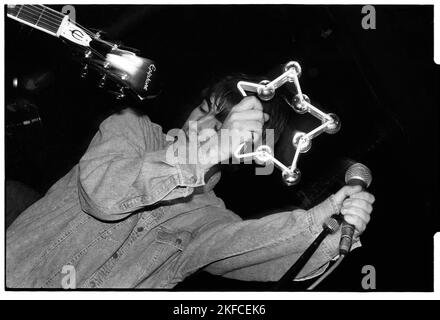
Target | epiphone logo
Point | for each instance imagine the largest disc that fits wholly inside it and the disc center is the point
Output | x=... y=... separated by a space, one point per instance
x=151 y=69
x=77 y=34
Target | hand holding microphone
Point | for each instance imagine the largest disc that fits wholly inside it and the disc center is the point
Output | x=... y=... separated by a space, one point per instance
x=355 y=204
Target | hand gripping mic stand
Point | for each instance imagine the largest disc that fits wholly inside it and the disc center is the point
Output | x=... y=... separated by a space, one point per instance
x=302 y=141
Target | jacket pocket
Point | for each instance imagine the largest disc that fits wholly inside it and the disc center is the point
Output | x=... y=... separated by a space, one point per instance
x=157 y=262
x=174 y=239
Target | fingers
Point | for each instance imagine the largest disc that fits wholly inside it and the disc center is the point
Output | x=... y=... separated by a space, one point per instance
x=358 y=203
x=206 y=133
x=357 y=210
x=248 y=103
x=364 y=196
x=247 y=115
x=345 y=192
x=359 y=224
x=356 y=206
x=243 y=123
x=250 y=133
x=245 y=136
x=247 y=126
x=256 y=115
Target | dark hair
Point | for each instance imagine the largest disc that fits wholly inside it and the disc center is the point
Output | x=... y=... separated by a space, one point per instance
x=224 y=94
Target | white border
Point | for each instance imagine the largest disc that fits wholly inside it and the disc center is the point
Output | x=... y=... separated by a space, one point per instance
x=154 y=295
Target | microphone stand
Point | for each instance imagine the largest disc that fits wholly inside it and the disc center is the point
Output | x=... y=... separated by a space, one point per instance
x=331 y=226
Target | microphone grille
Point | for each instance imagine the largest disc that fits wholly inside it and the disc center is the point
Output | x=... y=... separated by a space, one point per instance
x=360 y=172
x=332 y=224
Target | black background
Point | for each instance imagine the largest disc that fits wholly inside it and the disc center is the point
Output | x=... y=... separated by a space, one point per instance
x=380 y=82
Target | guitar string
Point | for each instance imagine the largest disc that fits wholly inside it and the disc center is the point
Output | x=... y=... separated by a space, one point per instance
x=31 y=12
x=47 y=15
x=51 y=25
x=51 y=11
x=90 y=33
x=87 y=31
x=28 y=17
x=55 y=23
x=60 y=17
x=48 y=11
x=98 y=54
x=93 y=34
x=26 y=12
x=44 y=10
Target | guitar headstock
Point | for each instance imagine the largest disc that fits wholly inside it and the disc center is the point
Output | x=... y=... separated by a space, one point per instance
x=129 y=73
x=120 y=69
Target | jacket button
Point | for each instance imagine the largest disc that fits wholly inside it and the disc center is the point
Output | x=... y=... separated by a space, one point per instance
x=115 y=255
x=179 y=241
x=92 y=284
x=140 y=229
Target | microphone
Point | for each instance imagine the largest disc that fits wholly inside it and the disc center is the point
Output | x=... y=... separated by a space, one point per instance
x=356 y=175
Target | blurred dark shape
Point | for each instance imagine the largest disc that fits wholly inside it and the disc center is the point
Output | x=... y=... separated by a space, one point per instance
x=36 y=81
x=18 y=198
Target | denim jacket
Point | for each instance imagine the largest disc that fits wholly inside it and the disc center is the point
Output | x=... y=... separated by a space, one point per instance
x=128 y=217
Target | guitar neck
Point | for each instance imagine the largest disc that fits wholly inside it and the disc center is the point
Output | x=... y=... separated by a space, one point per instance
x=37 y=16
x=50 y=21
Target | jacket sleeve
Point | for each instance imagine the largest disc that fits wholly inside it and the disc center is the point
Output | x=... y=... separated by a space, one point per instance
x=129 y=164
x=262 y=249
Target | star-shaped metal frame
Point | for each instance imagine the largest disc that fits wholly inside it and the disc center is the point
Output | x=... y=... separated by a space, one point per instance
x=301 y=104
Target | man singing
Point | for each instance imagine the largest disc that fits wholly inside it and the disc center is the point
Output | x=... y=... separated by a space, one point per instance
x=135 y=213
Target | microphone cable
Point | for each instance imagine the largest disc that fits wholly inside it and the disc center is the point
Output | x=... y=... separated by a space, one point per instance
x=325 y=274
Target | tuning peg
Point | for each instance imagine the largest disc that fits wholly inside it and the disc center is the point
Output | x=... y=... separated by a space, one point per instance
x=120 y=46
x=84 y=71
x=121 y=94
x=97 y=33
x=88 y=54
x=102 y=81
